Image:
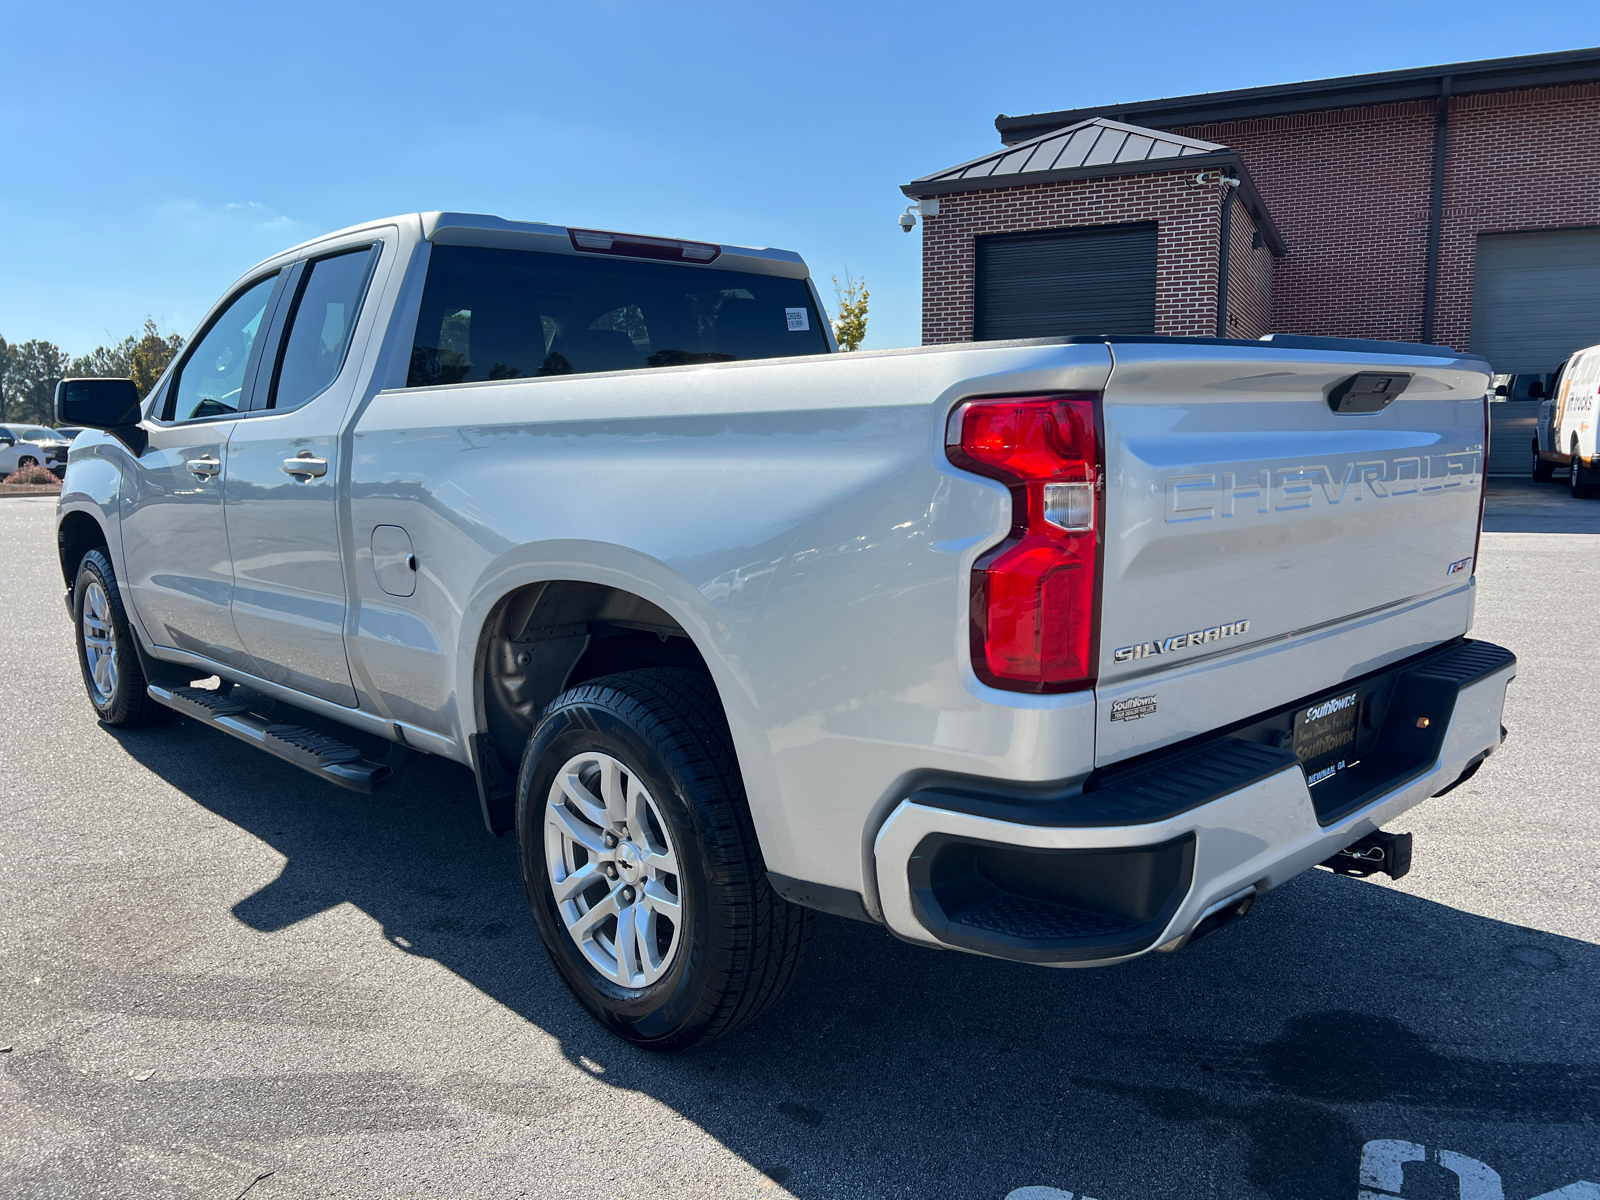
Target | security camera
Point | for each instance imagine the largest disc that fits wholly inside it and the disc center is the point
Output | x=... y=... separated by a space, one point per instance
x=907 y=221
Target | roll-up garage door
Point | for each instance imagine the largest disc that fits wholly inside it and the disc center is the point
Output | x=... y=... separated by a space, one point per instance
x=1094 y=279
x=1535 y=299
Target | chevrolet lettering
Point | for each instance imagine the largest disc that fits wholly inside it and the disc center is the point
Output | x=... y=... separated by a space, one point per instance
x=1266 y=490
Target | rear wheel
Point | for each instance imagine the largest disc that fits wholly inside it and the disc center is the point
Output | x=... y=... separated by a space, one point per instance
x=111 y=672
x=1582 y=489
x=1542 y=470
x=641 y=863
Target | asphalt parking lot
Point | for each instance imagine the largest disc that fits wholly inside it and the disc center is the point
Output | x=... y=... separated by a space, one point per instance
x=219 y=976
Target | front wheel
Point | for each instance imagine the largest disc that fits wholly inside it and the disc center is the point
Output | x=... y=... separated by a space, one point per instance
x=641 y=863
x=111 y=671
x=1542 y=470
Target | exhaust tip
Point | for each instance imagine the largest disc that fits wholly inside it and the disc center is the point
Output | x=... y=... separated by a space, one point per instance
x=1219 y=916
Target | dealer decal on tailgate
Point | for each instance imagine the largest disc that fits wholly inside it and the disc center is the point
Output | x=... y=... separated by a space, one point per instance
x=1131 y=708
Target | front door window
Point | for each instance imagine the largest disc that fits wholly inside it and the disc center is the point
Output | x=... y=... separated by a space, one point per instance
x=214 y=375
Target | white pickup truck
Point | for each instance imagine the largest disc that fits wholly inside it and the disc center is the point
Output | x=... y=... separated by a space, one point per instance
x=1059 y=651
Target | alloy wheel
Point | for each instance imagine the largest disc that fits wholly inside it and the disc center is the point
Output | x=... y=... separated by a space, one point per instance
x=99 y=641
x=613 y=870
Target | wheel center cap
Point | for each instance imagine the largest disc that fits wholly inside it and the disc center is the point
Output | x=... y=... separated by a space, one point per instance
x=629 y=865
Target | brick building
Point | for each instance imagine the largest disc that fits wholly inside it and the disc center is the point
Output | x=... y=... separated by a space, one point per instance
x=1456 y=204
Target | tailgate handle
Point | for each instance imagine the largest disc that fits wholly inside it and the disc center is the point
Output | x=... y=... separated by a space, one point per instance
x=1367 y=392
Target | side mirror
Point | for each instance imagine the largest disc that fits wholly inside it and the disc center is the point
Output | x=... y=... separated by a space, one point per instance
x=1501 y=390
x=109 y=404
x=8 y=441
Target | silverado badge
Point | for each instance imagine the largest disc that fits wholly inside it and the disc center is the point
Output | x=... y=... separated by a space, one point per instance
x=1179 y=641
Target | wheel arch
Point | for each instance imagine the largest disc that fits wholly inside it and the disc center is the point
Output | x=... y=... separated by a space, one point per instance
x=78 y=533
x=572 y=614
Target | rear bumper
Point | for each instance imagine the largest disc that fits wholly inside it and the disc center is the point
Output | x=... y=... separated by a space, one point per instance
x=1104 y=876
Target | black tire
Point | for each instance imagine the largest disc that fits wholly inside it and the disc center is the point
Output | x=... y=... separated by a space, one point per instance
x=27 y=460
x=1542 y=470
x=1581 y=488
x=125 y=703
x=741 y=944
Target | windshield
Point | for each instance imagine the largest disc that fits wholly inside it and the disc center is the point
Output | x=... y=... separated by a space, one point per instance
x=38 y=433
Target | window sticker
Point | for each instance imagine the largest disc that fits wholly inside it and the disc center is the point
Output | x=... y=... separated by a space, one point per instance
x=798 y=323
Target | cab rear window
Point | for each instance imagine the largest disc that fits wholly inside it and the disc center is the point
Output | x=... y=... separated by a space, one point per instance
x=514 y=314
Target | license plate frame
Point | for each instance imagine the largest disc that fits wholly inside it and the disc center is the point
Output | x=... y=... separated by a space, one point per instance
x=1324 y=735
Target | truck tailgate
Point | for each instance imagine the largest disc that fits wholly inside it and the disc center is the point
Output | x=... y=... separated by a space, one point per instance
x=1260 y=546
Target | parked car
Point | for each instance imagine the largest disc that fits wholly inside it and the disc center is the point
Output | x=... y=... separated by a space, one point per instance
x=1060 y=650
x=1565 y=435
x=68 y=431
x=27 y=445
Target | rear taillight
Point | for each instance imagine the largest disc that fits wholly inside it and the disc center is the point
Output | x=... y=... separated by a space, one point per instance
x=632 y=245
x=1036 y=596
x=1483 y=487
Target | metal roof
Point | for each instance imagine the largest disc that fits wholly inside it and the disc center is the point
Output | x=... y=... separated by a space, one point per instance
x=1386 y=87
x=1097 y=142
x=1095 y=149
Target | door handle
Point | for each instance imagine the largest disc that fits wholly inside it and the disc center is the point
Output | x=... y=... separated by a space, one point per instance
x=204 y=467
x=305 y=466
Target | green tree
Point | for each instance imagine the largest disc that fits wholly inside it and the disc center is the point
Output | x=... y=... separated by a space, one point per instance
x=152 y=354
x=103 y=362
x=29 y=371
x=141 y=358
x=850 y=328
x=28 y=391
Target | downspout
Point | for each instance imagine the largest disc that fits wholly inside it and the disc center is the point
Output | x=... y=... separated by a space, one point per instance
x=1430 y=277
x=1229 y=186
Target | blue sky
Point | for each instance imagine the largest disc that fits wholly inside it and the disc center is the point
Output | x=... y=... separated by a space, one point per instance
x=153 y=153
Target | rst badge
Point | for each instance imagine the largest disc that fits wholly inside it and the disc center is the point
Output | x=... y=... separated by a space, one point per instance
x=1179 y=641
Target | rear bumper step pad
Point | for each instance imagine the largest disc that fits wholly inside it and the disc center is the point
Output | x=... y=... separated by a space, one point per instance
x=326 y=757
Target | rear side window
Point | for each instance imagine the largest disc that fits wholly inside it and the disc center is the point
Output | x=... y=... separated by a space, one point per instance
x=515 y=314
x=320 y=326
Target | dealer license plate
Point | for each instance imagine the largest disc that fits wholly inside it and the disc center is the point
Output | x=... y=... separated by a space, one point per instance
x=1325 y=735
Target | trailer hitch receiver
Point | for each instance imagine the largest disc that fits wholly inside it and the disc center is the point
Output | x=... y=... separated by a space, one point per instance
x=1389 y=853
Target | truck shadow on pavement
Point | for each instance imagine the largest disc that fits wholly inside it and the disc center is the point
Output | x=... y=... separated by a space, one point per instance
x=1340 y=1011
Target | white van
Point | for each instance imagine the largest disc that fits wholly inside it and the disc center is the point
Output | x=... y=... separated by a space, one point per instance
x=1566 y=430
